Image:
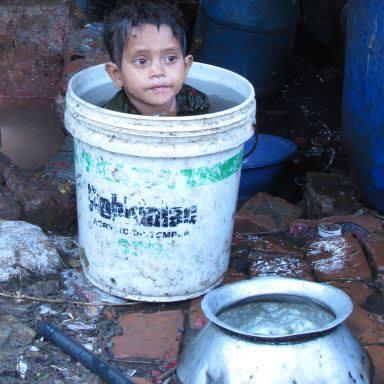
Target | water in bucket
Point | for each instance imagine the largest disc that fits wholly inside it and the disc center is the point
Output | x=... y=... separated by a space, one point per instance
x=220 y=97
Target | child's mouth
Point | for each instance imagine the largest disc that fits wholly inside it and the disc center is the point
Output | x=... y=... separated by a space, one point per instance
x=159 y=88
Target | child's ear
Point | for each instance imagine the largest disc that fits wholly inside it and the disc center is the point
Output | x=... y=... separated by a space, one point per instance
x=114 y=73
x=188 y=60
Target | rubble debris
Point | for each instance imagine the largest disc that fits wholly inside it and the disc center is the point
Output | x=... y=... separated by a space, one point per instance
x=77 y=285
x=62 y=166
x=265 y=213
x=81 y=354
x=44 y=201
x=15 y=337
x=46 y=310
x=24 y=249
x=21 y=367
x=9 y=207
x=79 y=326
x=329 y=194
x=44 y=288
x=68 y=248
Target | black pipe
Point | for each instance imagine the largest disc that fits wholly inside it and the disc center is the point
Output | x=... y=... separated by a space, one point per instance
x=81 y=354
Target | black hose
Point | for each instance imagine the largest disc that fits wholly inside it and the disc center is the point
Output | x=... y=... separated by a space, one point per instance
x=81 y=354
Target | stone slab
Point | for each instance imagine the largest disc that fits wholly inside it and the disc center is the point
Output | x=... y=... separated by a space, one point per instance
x=293 y=267
x=265 y=213
x=339 y=257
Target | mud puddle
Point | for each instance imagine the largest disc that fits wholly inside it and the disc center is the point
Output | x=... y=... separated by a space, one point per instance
x=30 y=135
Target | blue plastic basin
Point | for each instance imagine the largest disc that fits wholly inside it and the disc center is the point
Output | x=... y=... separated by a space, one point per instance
x=261 y=168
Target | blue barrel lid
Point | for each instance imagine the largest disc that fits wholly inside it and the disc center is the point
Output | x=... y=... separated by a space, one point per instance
x=263 y=16
x=270 y=150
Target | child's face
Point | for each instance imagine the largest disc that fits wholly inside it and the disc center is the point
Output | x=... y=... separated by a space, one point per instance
x=153 y=68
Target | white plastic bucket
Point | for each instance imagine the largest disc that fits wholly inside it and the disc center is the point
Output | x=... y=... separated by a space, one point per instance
x=156 y=197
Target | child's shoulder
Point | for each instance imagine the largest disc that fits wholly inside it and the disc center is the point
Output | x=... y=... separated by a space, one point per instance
x=191 y=101
x=121 y=103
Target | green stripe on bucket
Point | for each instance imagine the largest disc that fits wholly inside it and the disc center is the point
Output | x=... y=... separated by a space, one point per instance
x=135 y=177
x=220 y=171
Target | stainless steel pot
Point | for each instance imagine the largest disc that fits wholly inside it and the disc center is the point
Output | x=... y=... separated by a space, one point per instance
x=223 y=354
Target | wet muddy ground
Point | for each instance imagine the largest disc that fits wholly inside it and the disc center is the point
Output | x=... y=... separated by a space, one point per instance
x=45 y=363
x=308 y=111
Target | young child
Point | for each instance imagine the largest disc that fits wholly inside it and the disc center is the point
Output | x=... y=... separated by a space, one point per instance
x=146 y=41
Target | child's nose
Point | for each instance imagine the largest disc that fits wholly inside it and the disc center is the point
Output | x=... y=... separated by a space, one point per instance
x=157 y=68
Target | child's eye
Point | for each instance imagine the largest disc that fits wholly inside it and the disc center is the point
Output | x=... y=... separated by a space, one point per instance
x=170 y=59
x=140 y=61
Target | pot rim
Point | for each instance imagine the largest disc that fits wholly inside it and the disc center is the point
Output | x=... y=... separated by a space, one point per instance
x=327 y=296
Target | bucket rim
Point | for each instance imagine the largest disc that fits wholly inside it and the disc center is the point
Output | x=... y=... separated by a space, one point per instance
x=179 y=136
x=72 y=97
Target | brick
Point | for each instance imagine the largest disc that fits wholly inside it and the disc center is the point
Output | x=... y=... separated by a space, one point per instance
x=373 y=246
x=257 y=245
x=364 y=322
x=339 y=257
x=197 y=319
x=293 y=267
x=377 y=355
x=265 y=213
x=272 y=245
x=149 y=335
x=254 y=248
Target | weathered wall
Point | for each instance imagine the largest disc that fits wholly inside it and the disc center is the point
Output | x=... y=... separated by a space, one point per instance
x=32 y=37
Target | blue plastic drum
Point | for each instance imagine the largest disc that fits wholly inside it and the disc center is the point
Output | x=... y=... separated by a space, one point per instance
x=254 y=38
x=363 y=102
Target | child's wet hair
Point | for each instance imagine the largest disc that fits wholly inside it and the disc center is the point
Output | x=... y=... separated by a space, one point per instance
x=118 y=26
